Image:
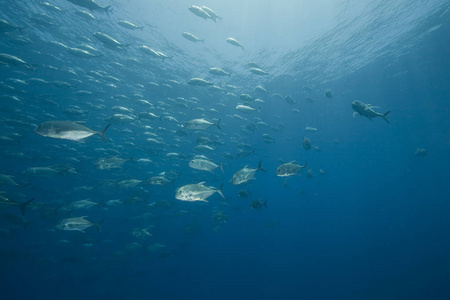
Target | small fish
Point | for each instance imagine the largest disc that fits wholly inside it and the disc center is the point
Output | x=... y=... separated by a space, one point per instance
x=107 y=40
x=210 y=12
x=234 y=42
x=199 y=82
x=258 y=71
x=200 y=124
x=246 y=109
x=129 y=25
x=198 y=11
x=220 y=72
x=191 y=37
x=367 y=111
x=307 y=145
x=258 y=204
x=68 y=130
x=91 y=4
x=79 y=224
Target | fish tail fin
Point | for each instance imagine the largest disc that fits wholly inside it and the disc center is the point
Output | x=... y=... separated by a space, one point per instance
x=260 y=167
x=217 y=124
x=108 y=9
x=23 y=205
x=385 y=117
x=102 y=133
x=306 y=165
x=221 y=168
x=265 y=203
x=131 y=157
x=220 y=191
x=98 y=225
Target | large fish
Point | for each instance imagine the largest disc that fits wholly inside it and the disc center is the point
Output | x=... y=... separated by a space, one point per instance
x=68 y=130
x=289 y=169
x=367 y=111
x=196 y=192
x=246 y=174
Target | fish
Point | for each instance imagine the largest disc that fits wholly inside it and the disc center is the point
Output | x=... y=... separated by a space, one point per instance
x=311 y=129
x=85 y=15
x=199 y=82
x=81 y=53
x=220 y=72
x=152 y=52
x=200 y=124
x=262 y=89
x=289 y=169
x=210 y=12
x=68 y=130
x=91 y=5
x=246 y=174
x=159 y=180
x=198 y=11
x=367 y=111
x=5 y=202
x=196 y=192
x=13 y=61
x=111 y=162
x=234 y=42
x=129 y=25
x=203 y=164
x=107 y=40
x=258 y=204
x=420 y=152
x=78 y=224
x=258 y=71
x=307 y=145
x=246 y=109
x=191 y=37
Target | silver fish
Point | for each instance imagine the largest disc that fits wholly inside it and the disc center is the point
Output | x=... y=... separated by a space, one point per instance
x=196 y=192
x=191 y=37
x=129 y=25
x=79 y=224
x=246 y=174
x=203 y=164
x=367 y=111
x=234 y=42
x=200 y=124
x=289 y=169
x=68 y=130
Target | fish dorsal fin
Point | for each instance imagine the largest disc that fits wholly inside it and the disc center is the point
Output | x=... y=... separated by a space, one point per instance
x=202 y=183
x=292 y=162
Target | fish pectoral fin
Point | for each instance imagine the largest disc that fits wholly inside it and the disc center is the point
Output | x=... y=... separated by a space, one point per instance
x=354 y=114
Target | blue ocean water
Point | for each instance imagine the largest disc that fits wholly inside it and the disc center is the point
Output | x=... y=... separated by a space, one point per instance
x=367 y=218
